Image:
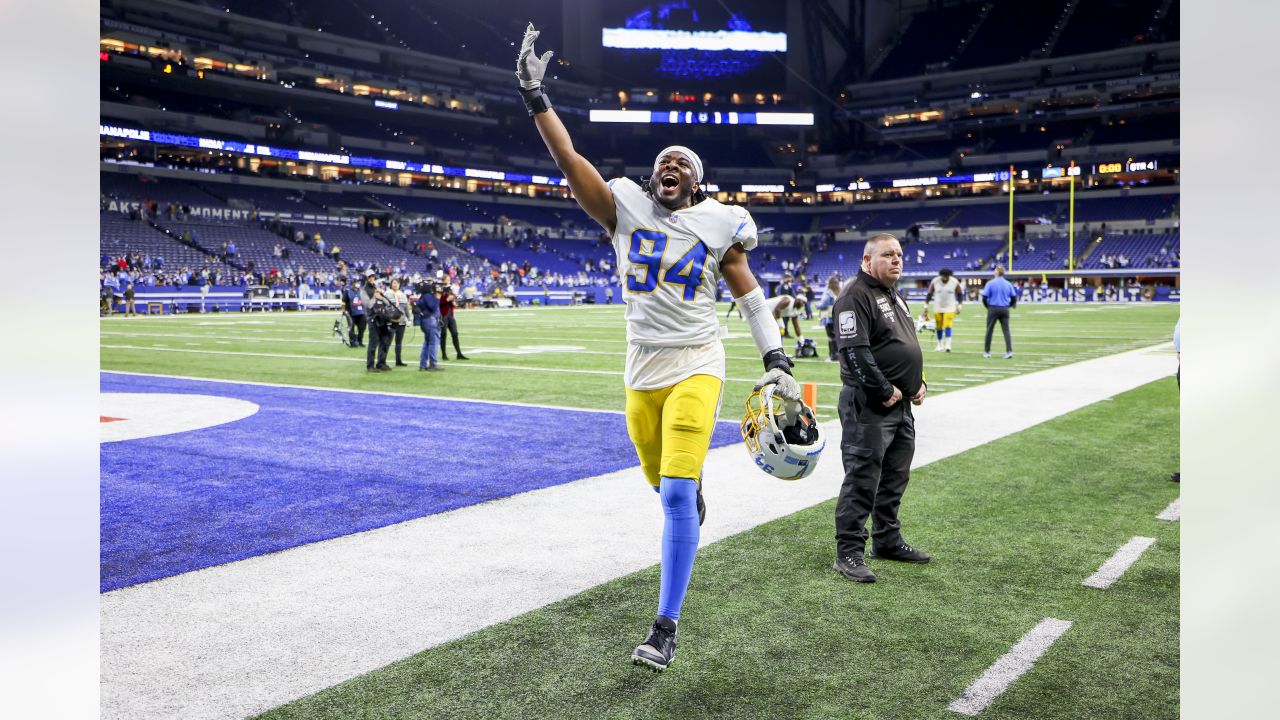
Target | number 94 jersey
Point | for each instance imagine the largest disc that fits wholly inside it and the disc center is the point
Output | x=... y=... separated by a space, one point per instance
x=669 y=265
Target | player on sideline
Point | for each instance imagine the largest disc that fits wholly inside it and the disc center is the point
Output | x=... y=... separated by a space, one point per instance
x=944 y=293
x=673 y=244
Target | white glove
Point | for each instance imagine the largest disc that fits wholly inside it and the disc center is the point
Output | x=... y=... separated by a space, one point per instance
x=529 y=67
x=787 y=387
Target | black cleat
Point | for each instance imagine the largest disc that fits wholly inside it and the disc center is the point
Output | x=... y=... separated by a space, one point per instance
x=702 y=506
x=659 y=648
x=853 y=567
x=1173 y=477
x=463 y=357
x=901 y=553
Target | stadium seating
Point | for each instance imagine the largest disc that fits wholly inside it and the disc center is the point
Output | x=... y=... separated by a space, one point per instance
x=1012 y=31
x=253 y=243
x=932 y=37
x=140 y=188
x=1142 y=251
x=119 y=235
x=268 y=199
x=1105 y=24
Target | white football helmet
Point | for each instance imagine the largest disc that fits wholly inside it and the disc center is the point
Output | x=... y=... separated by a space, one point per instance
x=782 y=435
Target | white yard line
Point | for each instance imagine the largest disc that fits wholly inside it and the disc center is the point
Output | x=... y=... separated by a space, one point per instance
x=452 y=365
x=241 y=638
x=1116 y=565
x=1173 y=512
x=1011 y=666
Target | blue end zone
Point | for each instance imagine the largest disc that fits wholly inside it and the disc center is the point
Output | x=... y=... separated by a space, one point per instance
x=317 y=464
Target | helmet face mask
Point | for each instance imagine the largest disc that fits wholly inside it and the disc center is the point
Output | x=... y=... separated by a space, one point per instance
x=766 y=427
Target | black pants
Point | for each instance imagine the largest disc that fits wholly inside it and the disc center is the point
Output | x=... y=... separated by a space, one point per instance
x=449 y=325
x=399 y=335
x=358 y=324
x=1000 y=314
x=379 y=343
x=831 y=340
x=877 y=451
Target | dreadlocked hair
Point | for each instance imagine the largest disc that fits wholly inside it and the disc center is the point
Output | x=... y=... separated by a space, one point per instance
x=646 y=184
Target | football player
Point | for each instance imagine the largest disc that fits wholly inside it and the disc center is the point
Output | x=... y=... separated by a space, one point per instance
x=673 y=244
x=944 y=293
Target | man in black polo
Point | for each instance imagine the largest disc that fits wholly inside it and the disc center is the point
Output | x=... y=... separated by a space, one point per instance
x=882 y=369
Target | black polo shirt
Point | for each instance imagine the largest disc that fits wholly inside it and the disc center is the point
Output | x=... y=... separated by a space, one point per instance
x=871 y=315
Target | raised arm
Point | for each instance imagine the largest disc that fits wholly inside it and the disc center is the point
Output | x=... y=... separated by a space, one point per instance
x=589 y=188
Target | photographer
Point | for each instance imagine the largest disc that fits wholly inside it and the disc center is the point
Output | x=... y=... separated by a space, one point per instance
x=353 y=306
x=401 y=301
x=426 y=310
x=380 y=311
x=448 y=303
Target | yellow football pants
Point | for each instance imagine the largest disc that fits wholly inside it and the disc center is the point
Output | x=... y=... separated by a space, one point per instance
x=943 y=320
x=671 y=427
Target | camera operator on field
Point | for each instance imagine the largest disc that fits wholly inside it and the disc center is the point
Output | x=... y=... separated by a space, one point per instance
x=353 y=306
x=426 y=311
x=382 y=314
x=448 y=303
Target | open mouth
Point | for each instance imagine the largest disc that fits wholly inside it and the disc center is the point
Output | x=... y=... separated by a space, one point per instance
x=669 y=182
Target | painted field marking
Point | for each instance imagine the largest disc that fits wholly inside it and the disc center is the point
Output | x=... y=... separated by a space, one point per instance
x=1115 y=566
x=1011 y=666
x=1173 y=512
x=470 y=365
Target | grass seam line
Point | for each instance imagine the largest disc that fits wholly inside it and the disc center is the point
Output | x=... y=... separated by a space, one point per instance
x=1009 y=667
x=1117 y=564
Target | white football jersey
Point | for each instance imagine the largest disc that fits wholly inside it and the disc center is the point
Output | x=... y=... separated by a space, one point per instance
x=944 y=294
x=669 y=265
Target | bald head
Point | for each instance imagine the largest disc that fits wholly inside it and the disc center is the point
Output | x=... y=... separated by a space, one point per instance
x=882 y=258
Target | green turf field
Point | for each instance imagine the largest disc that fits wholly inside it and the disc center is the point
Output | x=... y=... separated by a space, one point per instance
x=771 y=632
x=574 y=356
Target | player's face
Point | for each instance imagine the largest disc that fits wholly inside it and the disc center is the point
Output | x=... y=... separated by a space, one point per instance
x=885 y=265
x=672 y=181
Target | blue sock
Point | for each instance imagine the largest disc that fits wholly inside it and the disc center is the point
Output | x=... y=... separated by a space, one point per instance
x=939 y=333
x=679 y=542
x=948 y=332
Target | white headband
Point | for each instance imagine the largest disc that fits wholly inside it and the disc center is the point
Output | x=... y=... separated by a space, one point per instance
x=693 y=159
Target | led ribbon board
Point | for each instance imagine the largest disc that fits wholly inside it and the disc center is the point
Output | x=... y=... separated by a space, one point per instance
x=732 y=40
x=689 y=117
x=241 y=148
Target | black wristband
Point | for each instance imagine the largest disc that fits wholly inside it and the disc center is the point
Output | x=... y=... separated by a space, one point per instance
x=535 y=100
x=777 y=358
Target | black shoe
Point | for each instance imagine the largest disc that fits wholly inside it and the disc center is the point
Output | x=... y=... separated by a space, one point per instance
x=659 y=648
x=901 y=553
x=1174 y=477
x=383 y=368
x=853 y=567
x=400 y=364
x=463 y=357
x=702 y=506
x=443 y=357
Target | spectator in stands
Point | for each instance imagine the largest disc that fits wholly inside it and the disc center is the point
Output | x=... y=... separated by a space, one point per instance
x=426 y=310
x=379 y=332
x=999 y=296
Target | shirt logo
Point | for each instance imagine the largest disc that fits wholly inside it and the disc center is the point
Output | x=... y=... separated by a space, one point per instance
x=848 y=324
